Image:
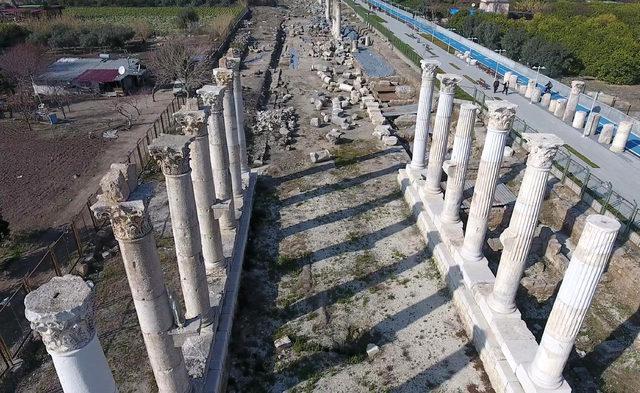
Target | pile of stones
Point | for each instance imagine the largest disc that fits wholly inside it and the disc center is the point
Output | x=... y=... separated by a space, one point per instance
x=277 y=124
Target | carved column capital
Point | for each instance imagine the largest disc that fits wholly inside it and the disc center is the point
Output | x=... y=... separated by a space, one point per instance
x=172 y=153
x=192 y=122
x=429 y=68
x=62 y=312
x=501 y=115
x=223 y=76
x=212 y=96
x=542 y=149
x=129 y=220
x=576 y=87
x=233 y=63
x=448 y=83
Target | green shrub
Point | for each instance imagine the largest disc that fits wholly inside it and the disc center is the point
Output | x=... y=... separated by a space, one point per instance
x=186 y=18
x=11 y=33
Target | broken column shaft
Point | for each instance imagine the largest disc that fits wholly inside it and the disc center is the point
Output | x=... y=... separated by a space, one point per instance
x=233 y=63
x=517 y=238
x=574 y=297
x=62 y=311
x=172 y=154
x=224 y=77
x=193 y=125
x=337 y=20
x=212 y=96
x=500 y=116
x=429 y=68
x=456 y=167
x=448 y=83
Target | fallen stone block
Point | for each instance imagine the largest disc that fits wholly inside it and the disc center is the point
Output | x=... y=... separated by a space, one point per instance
x=372 y=350
x=315 y=122
x=282 y=343
x=334 y=136
x=320 y=156
x=390 y=140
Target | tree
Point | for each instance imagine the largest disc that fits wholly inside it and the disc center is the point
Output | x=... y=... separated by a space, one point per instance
x=21 y=63
x=512 y=42
x=489 y=34
x=179 y=60
x=23 y=101
x=187 y=17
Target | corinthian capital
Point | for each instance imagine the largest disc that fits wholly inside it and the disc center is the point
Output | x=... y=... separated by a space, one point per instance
x=576 y=87
x=129 y=220
x=501 y=114
x=429 y=68
x=232 y=63
x=448 y=83
x=172 y=153
x=212 y=96
x=542 y=149
x=223 y=76
x=193 y=123
x=62 y=312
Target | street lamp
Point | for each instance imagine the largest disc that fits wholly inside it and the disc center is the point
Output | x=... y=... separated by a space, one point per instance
x=499 y=52
x=474 y=39
x=538 y=68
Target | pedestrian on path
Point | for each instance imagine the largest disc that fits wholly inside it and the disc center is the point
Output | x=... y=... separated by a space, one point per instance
x=496 y=84
x=505 y=88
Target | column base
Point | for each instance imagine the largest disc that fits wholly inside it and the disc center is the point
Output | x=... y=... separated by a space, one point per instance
x=416 y=173
x=470 y=256
x=529 y=386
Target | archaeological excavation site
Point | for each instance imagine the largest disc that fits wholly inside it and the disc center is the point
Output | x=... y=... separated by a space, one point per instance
x=343 y=203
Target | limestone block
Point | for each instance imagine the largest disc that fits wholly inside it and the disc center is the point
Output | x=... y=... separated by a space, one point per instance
x=579 y=119
x=546 y=100
x=372 y=350
x=621 y=137
x=606 y=134
x=552 y=105
x=535 y=96
x=314 y=122
x=334 y=136
x=390 y=140
x=320 y=156
x=561 y=105
x=592 y=124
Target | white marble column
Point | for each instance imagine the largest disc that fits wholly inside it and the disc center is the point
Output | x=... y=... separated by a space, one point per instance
x=456 y=167
x=62 y=311
x=561 y=106
x=621 y=137
x=606 y=133
x=327 y=11
x=193 y=125
x=172 y=154
x=572 y=101
x=337 y=20
x=423 y=118
x=531 y=86
x=233 y=63
x=592 y=124
x=500 y=115
x=133 y=231
x=224 y=77
x=516 y=239
x=579 y=119
x=546 y=100
x=212 y=96
x=448 y=83
x=574 y=297
x=535 y=95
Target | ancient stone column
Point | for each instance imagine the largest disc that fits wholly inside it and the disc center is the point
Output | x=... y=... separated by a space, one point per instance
x=133 y=231
x=535 y=96
x=62 y=312
x=516 y=239
x=507 y=76
x=448 y=83
x=172 y=154
x=578 y=119
x=429 y=68
x=500 y=114
x=546 y=100
x=552 y=105
x=224 y=77
x=456 y=167
x=212 y=96
x=592 y=124
x=561 y=105
x=606 y=134
x=193 y=124
x=621 y=137
x=233 y=63
x=337 y=20
x=327 y=11
x=574 y=297
x=531 y=86
x=572 y=102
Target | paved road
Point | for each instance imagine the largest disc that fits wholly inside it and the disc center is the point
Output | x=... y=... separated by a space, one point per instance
x=622 y=170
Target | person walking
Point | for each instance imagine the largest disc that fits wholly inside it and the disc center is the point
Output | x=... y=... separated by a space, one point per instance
x=505 y=88
x=496 y=84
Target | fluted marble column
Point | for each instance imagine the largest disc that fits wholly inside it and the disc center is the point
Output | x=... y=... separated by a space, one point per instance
x=501 y=114
x=621 y=137
x=423 y=117
x=62 y=311
x=592 y=124
x=212 y=96
x=233 y=63
x=448 y=83
x=456 y=167
x=516 y=239
x=224 y=77
x=574 y=297
x=337 y=20
x=572 y=101
x=172 y=154
x=193 y=125
x=133 y=231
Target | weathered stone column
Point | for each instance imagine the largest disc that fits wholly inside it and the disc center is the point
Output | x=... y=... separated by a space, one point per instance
x=212 y=96
x=572 y=102
x=448 y=83
x=337 y=20
x=592 y=124
x=516 y=239
x=574 y=297
x=224 y=77
x=172 y=154
x=501 y=114
x=606 y=134
x=62 y=312
x=456 y=167
x=531 y=86
x=233 y=63
x=535 y=95
x=423 y=117
x=132 y=229
x=621 y=136
x=561 y=105
x=194 y=126
x=327 y=11
x=546 y=100
x=579 y=119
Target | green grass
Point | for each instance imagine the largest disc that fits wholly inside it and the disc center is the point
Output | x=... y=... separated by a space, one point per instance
x=454 y=66
x=581 y=156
